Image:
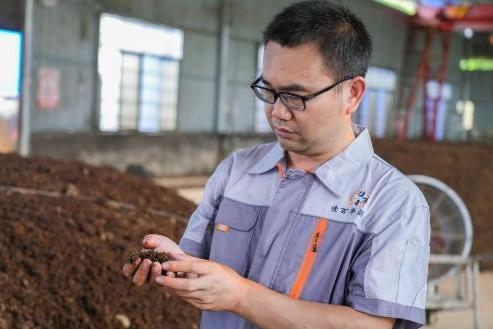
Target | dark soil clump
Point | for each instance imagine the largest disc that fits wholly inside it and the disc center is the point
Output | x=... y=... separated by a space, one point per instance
x=153 y=256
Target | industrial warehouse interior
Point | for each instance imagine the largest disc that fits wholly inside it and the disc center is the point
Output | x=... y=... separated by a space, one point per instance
x=116 y=114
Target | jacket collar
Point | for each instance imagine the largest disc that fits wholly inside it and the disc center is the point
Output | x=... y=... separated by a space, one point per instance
x=334 y=173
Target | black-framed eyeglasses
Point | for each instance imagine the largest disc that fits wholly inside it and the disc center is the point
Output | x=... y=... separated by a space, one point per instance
x=292 y=101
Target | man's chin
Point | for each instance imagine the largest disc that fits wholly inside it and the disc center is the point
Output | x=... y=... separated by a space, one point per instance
x=290 y=146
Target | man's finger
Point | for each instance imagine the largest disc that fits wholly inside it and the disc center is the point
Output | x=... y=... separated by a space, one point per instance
x=129 y=269
x=198 y=267
x=184 y=293
x=160 y=243
x=150 y=241
x=183 y=256
x=155 y=271
x=179 y=283
x=142 y=273
x=191 y=275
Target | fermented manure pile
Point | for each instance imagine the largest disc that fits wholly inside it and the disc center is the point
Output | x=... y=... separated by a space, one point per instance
x=66 y=229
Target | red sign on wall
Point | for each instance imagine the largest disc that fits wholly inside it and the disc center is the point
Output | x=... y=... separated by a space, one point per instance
x=48 y=97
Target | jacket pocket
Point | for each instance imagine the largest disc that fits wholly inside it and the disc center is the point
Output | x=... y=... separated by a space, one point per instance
x=233 y=232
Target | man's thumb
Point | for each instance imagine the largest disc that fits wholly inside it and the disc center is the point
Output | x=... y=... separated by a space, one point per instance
x=150 y=241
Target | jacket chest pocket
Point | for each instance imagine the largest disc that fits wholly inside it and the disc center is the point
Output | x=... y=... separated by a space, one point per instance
x=302 y=273
x=233 y=233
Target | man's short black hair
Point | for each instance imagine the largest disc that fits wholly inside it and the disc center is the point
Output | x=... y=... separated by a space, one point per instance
x=341 y=37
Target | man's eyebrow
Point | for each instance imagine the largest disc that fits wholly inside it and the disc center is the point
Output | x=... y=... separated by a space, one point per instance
x=291 y=87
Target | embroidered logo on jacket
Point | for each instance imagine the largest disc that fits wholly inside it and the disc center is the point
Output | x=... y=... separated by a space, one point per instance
x=359 y=199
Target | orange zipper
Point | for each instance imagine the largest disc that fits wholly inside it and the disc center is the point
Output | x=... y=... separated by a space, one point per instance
x=309 y=259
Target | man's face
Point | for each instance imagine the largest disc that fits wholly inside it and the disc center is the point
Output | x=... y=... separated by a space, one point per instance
x=300 y=70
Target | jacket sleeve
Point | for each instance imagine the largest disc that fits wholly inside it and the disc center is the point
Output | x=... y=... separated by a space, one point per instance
x=389 y=274
x=196 y=239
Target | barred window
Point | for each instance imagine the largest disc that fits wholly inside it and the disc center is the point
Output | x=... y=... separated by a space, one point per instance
x=139 y=71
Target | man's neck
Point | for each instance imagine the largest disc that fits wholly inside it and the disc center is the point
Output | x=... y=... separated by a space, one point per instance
x=310 y=162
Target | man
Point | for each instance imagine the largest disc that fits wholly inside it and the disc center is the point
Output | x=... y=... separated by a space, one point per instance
x=315 y=230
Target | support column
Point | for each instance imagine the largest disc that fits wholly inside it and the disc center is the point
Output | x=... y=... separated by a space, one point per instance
x=222 y=60
x=25 y=117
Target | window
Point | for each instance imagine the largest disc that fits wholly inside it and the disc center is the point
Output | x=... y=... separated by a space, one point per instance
x=139 y=71
x=466 y=109
x=377 y=101
x=433 y=90
x=10 y=86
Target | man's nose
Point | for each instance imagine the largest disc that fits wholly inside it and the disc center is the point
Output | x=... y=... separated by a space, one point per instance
x=280 y=110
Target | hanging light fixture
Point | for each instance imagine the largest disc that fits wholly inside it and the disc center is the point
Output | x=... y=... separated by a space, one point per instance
x=408 y=7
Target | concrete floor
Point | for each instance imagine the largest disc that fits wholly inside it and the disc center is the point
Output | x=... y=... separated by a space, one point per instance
x=192 y=189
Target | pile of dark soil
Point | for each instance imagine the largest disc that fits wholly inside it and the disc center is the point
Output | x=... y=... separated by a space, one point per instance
x=467 y=168
x=61 y=251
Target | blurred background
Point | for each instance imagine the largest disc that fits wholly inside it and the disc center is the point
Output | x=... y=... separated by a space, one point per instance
x=160 y=89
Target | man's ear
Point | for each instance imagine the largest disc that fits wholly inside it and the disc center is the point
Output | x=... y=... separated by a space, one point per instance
x=354 y=95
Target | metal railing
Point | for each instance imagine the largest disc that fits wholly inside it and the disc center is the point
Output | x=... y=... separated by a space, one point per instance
x=464 y=284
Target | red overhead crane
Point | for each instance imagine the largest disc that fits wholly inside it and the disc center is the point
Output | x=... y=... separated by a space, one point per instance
x=456 y=18
x=446 y=20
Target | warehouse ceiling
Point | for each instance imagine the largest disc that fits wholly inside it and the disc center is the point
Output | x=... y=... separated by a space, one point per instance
x=410 y=7
x=441 y=3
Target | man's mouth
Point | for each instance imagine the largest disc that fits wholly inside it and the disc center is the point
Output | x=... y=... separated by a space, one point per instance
x=283 y=132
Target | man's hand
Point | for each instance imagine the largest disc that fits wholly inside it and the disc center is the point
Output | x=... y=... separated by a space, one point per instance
x=215 y=287
x=143 y=271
